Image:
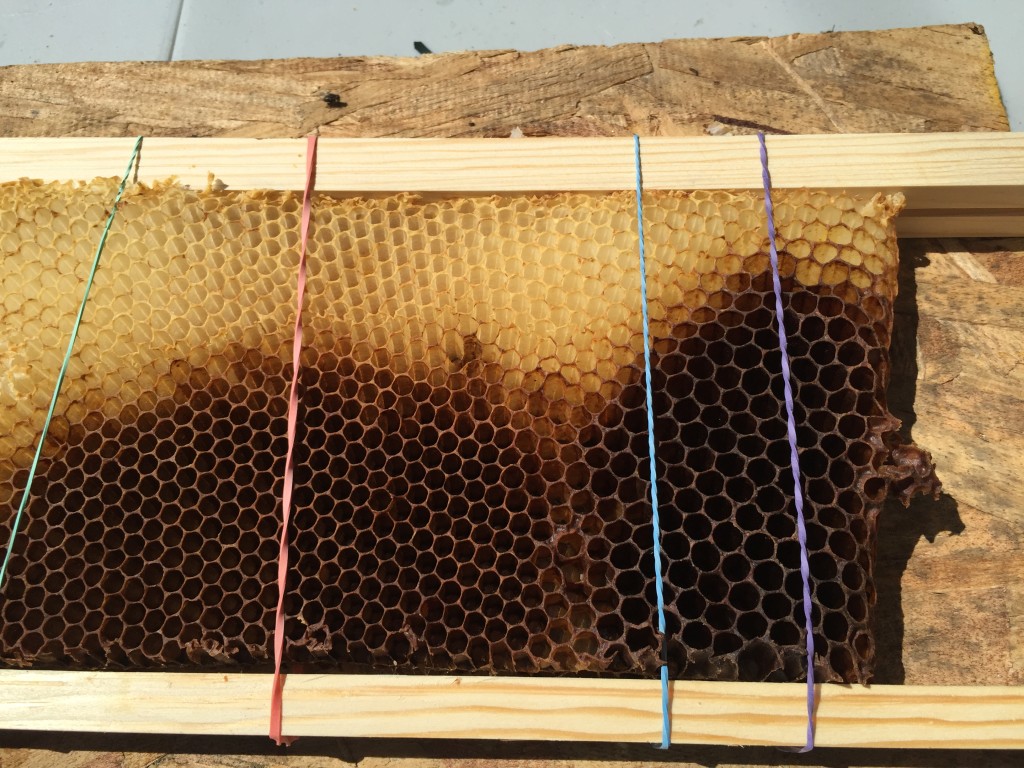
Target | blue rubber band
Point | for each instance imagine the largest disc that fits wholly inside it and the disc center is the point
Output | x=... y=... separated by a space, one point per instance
x=666 y=720
x=64 y=366
x=798 y=496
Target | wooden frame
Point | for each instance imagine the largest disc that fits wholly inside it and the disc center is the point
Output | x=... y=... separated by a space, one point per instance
x=563 y=709
x=956 y=185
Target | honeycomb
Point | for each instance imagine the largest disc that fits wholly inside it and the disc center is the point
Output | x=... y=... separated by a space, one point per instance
x=471 y=469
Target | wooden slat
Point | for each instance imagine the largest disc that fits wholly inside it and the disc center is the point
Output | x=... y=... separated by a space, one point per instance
x=512 y=708
x=961 y=183
x=907 y=80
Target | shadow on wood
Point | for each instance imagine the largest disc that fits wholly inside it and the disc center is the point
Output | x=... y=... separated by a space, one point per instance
x=899 y=528
x=335 y=753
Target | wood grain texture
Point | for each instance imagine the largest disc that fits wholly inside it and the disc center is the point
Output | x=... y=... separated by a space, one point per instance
x=956 y=184
x=918 y=80
x=949 y=573
x=536 y=709
x=926 y=166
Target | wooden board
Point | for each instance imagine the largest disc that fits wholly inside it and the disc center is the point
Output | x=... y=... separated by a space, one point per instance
x=940 y=171
x=949 y=573
x=925 y=79
x=955 y=183
x=545 y=709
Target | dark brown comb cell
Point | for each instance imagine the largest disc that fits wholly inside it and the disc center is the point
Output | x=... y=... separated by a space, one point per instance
x=471 y=489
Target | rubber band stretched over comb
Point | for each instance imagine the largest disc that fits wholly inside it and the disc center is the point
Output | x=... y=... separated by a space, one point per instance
x=798 y=496
x=276 y=696
x=666 y=720
x=33 y=467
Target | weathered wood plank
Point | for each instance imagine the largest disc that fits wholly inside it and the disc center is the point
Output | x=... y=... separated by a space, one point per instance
x=949 y=574
x=924 y=79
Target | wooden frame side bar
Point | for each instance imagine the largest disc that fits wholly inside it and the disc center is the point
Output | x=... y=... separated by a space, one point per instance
x=957 y=184
x=560 y=709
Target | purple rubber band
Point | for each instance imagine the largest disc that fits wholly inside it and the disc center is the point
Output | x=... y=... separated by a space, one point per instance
x=798 y=496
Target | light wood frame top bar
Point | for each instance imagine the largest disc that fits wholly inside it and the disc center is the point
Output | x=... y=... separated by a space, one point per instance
x=956 y=184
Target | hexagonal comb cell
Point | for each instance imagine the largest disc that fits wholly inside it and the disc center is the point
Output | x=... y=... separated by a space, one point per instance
x=471 y=487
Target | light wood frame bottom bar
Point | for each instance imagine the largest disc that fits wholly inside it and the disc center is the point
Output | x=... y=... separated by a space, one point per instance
x=518 y=708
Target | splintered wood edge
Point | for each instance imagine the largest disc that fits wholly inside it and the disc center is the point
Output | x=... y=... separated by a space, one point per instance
x=562 y=709
x=956 y=184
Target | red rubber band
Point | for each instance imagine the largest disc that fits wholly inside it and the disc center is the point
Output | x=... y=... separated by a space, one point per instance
x=276 y=696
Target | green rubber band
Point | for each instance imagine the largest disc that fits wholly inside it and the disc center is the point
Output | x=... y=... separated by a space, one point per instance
x=67 y=361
